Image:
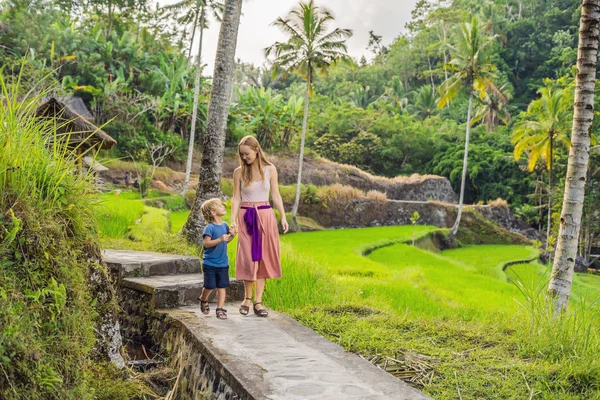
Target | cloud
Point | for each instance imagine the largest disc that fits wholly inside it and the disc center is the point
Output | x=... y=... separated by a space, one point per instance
x=385 y=17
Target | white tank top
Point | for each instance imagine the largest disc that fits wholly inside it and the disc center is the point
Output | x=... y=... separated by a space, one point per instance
x=257 y=191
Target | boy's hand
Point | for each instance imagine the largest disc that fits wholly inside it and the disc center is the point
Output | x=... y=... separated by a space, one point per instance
x=232 y=230
x=225 y=238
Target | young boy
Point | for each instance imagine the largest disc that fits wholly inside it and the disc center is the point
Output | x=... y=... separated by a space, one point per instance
x=215 y=263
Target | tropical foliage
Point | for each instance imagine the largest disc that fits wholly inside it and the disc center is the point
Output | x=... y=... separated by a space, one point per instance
x=131 y=66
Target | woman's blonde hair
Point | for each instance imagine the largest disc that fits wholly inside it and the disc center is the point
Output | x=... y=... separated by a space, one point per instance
x=251 y=142
x=208 y=207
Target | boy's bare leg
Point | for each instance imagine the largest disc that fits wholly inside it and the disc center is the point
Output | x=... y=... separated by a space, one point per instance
x=260 y=288
x=221 y=297
x=205 y=293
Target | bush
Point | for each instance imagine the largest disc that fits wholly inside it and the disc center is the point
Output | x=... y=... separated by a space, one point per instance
x=308 y=194
x=227 y=187
x=375 y=195
x=499 y=202
x=171 y=203
x=189 y=198
x=48 y=247
x=338 y=196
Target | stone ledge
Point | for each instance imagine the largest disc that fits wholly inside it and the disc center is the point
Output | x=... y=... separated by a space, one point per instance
x=128 y=263
x=170 y=291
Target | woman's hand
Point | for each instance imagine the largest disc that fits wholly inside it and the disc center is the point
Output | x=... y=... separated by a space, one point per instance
x=285 y=225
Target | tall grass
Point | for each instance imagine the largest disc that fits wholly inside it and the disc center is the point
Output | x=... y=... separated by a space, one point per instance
x=36 y=163
x=48 y=250
x=573 y=333
x=305 y=283
x=47 y=239
x=115 y=215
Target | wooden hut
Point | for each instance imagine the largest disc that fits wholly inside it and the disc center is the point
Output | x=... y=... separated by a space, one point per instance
x=83 y=135
x=85 y=138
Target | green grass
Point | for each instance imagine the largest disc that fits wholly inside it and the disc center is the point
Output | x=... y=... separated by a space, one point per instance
x=178 y=219
x=152 y=233
x=453 y=318
x=115 y=214
x=478 y=258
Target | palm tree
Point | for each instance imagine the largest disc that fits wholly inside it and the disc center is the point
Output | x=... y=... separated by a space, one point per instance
x=424 y=105
x=362 y=96
x=263 y=109
x=472 y=69
x=292 y=112
x=218 y=108
x=396 y=95
x=493 y=108
x=566 y=248
x=539 y=135
x=310 y=48
x=199 y=12
x=194 y=13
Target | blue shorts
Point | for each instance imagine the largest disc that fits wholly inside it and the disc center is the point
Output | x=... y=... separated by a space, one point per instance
x=216 y=277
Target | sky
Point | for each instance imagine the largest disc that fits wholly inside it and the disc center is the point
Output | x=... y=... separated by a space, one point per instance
x=385 y=17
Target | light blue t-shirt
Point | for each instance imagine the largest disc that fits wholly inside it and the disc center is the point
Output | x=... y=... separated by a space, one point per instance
x=216 y=256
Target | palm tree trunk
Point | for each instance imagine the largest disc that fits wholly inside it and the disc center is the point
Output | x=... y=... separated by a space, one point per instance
x=548 y=229
x=214 y=137
x=431 y=76
x=301 y=159
x=110 y=18
x=188 y=165
x=189 y=57
x=570 y=219
x=464 y=171
x=445 y=57
x=445 y=69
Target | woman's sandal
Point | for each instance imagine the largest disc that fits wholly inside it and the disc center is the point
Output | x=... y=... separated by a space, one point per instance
x=244 y=310
x=204 y=307
x=221 y=313
x=262 y=312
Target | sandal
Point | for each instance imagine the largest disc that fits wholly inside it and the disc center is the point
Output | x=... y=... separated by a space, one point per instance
x=204 y=307
x=244 y=310
x=221 y=313
x=262 y=312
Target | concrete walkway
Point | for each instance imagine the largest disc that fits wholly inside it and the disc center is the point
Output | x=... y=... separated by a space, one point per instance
x=255 y=358
x=278 y=358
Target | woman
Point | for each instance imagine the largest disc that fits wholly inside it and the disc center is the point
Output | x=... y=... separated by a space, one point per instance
x=257 y=256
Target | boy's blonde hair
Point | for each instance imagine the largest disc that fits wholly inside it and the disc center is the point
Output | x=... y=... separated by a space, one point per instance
x=208 y=207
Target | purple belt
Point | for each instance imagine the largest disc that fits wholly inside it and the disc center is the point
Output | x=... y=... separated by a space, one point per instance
x=252 y=225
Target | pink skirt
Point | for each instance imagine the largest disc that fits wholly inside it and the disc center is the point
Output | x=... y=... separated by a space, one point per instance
x=270 y=266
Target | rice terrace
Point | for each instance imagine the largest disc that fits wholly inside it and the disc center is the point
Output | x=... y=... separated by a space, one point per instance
x=299 y=199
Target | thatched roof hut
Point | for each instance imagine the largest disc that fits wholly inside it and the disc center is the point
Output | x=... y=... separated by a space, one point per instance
x=76 y=105
x=80 y=129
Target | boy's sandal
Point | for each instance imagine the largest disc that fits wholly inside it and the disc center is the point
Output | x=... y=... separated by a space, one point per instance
x=244 y=310
x=204 y=307
x=221 y=313
x=262 y=312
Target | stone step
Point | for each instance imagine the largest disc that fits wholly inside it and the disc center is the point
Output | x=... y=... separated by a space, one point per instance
x=169 y=291
x=128 y=263
x=276 y=358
